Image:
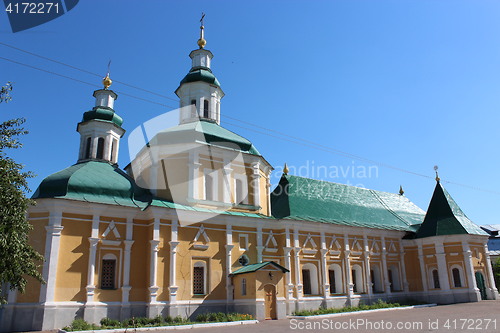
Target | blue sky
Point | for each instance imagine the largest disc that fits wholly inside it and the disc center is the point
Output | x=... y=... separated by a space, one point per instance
x=409 y=84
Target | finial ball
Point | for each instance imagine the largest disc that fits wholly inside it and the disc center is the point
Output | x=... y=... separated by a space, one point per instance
x=201 y=43
x=107 y=82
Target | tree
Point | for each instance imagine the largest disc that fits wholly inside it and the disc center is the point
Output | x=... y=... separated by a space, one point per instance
x=496 y=272
x=18 y=259
x=5 y=92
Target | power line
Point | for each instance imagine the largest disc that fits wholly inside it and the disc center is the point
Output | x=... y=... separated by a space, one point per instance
x=280 y=135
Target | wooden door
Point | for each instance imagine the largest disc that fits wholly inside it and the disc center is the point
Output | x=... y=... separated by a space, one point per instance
x=270 y=301
x=481 y=285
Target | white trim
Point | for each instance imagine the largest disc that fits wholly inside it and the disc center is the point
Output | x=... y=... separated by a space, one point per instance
x=460 y=274
x=339 y=286
x=213 y=174
x=245 y=238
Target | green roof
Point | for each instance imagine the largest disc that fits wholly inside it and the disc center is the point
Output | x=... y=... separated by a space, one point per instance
x=307 y=199
x=255 y=267
x=444 y=217
x=103 y=114
x=203 y=74
x=95 y=182
x=204 y=131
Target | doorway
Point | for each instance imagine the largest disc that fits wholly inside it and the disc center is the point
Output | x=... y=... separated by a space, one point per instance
x=270 y=301
x=481 y=285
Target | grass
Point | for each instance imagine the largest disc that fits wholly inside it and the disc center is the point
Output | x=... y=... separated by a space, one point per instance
x=380 y=304
x=135 y=322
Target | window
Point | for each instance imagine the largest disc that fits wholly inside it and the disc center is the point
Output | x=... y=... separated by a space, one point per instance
x=241 y=190
x=243 y=287
x=457 y=281
x=393 y=276
x=310 y=279
x=108 y=272
x=357 y=278
x=435 y=278
x=193 y=108
x=306 y=281
x=331 y=277
x=391 y=280
x=100 y=148
x=376 y=279
x=206 y=111
x=243 y=242
x=243 y=260
x=113 y=148
x=209 y=188
x=87 y=148
x=199 y=278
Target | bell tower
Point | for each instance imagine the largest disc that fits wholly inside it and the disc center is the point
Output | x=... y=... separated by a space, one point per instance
x=100 y=129
x=200 y=89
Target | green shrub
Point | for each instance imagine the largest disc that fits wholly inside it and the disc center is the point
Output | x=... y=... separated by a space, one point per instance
x=169 y=320
x=202 y=318
x=111 y=323
x=80 y=325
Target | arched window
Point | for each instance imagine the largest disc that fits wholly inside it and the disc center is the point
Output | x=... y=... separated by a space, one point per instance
x=113 y=150
x=376 y=279
x=108 y=272
x=100 y=148
x=335 y=279
x=193 y=108
x=310 y=279
x=357 y=278
x=209 y=187
x=393 y=274
x=206 y=111
x=435 y=279
x=457 y=274
x=199 y=278
x=241 y=191
x=87 y=148
x=243 y=287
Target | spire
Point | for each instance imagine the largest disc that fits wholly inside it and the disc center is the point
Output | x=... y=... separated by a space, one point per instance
x=106 y=81
x=285 y=169
x=444 y=217
x=105 y=97
x=437 y=175
x=401 y=192
x=202 y=42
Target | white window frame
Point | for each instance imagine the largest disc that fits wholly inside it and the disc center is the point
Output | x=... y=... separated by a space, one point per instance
x=460 y=273
x=313 y=277
x=359 y=278
x=431 y=278
x=245 y=242
x=203 y=264
x=378 y=286
x=244 y=190
x=337 y=269
x=396 y=277
x=117 y=273
x=243 y=287
x=215 y=181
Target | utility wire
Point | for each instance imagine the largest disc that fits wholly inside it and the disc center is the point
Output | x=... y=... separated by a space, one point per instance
x=265 y=131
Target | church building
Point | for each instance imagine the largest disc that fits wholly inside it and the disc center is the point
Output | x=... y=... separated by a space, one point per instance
x=192 y=225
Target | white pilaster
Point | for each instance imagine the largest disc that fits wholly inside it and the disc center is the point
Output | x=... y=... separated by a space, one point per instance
x=256 y=183
x=153 y=287
x=229 y=263
x=366 y=257
x=324 y=270
x=444 y=281
x=296 y=251
x=49 y=272
x=194 y=175
x=126 y=260
x=469 y=270
x=287 y=250
x=385 y=272
x=226 y=174
x=259 y=246
x=173 y=262
x=406 y=286
x=493 y=291
x=347 y=268
x=423 y=271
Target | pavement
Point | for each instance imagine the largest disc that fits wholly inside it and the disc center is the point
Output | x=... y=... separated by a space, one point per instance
x=483 y=316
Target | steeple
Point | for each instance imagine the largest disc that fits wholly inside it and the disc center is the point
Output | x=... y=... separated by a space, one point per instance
x=100 y=129
x=200 y=89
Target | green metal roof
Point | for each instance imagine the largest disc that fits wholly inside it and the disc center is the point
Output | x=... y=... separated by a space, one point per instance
x=307 y=199
x=444 y=217
x=103 y=114
x=95 y=182
x=203 y=74
x=204 y=131
x=255 y=267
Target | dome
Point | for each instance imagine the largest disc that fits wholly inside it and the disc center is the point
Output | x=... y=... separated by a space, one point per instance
x=95 y=182
x=103 y=113
x=203 y=74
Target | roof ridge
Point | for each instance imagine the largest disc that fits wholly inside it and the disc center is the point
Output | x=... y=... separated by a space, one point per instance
x=384 y=204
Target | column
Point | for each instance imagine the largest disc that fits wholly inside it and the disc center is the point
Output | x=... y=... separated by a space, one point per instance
x=406 y=286
x=444 y=281
x=107 y=148
x=324 y=269
x=296 y=251
x=385 y=272
x=347 y=269
x=366 y=257
x=49 y=271
x=153 y=309
x=259 y=246
x=226 y=174
x=469 y=271
x=194 y=176
x=93 y=151
x=93 y=241
x=489 y=272
x=173 y=262
x=255 y=181
x=126 y=263
x=229 y=263
x=287 y=250
x=423 y=271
